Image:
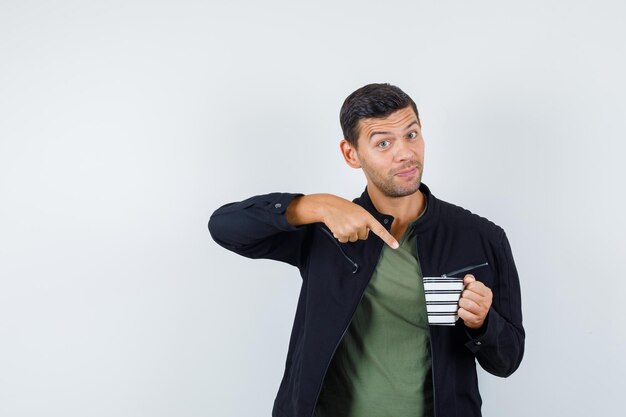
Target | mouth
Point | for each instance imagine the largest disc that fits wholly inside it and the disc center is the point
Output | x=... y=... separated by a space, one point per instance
x=407 y=172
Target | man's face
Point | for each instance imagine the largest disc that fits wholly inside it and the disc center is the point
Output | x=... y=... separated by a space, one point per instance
x=391 y=152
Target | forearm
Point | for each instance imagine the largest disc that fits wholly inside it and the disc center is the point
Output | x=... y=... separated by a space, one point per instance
x=257 y=228
x=499 y=345
x=307 y=209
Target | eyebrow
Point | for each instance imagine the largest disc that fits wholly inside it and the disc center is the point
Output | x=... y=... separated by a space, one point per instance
x=414 y=122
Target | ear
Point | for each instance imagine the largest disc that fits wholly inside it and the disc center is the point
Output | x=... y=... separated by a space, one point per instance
x=349 y=154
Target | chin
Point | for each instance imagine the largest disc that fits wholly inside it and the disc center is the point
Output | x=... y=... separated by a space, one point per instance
x=401 y=192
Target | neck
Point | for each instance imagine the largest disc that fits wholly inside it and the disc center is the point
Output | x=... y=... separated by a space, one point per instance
x=404 y=209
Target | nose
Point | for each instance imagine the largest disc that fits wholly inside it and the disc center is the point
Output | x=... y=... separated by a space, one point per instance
x=403 y=151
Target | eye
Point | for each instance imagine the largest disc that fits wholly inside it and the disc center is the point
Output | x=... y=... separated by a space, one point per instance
x=412 y=135
x=382 y=144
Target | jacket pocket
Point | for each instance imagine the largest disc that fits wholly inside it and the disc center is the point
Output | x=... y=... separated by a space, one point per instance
x=464 y=269
x=355 y=266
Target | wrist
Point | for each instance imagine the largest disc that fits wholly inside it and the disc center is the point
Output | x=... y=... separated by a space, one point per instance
x=306 y=209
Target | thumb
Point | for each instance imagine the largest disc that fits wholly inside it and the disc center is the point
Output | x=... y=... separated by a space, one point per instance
x=468 y=278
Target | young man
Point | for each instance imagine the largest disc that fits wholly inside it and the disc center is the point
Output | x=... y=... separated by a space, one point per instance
x=362 y=342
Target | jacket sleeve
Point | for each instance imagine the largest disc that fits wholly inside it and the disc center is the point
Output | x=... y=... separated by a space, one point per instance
x=257 y=228
x=499 y=344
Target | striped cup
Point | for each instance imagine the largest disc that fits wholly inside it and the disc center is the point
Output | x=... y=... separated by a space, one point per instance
x=442 y=299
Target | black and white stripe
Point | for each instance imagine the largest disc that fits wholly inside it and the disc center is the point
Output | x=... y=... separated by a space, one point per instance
x=442 y=299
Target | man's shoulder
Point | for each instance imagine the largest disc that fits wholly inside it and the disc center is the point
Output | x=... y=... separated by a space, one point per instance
x=459 y=216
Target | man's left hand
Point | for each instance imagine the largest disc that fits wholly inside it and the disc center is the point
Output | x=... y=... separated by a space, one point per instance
x=475 y=302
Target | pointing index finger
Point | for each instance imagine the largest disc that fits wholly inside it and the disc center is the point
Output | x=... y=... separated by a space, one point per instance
x=381 y=232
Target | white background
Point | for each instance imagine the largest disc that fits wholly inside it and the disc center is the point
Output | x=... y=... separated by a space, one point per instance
x=124 y=124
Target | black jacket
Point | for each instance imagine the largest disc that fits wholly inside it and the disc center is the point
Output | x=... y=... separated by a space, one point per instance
x=335 y=275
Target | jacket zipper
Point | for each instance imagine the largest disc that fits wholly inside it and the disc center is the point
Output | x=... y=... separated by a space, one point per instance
x=355 y=266
x=344 y=330
x=467 y=268
x=430 y=338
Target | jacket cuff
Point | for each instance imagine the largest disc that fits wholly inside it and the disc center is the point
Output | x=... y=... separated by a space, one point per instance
x=486 y=335
x=277 y=203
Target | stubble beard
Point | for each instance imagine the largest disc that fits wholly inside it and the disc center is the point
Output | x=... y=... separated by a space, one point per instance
x=390 y=188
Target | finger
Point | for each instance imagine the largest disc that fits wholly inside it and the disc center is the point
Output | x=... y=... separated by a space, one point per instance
x=363 y=233
x=478 y=292
x=468 y=279
x=470 y=305
x=341 y=239
x=467 y=315
x=475 y=303
x=381 y=232
x=471 y=295
x=354 y=237
x=478 y=288
x=471 y=320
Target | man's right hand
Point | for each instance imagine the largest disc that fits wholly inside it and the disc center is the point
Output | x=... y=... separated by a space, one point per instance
x=347 y=221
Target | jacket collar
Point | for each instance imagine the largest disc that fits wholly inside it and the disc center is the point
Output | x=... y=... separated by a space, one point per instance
x=426 y=220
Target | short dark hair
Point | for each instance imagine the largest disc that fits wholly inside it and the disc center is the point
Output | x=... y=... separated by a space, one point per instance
x=372 y=100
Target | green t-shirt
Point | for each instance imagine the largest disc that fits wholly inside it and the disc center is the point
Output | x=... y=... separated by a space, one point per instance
x=382 y=366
